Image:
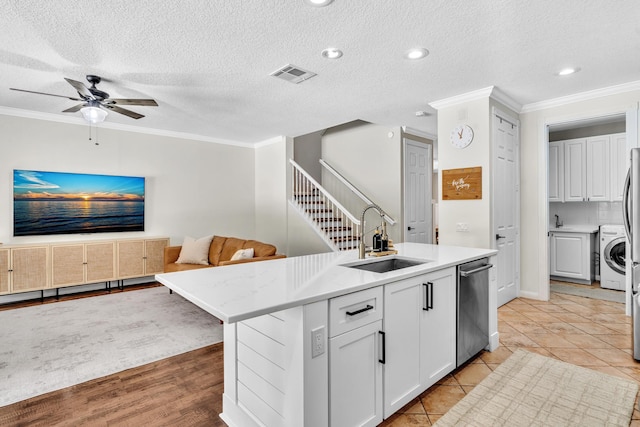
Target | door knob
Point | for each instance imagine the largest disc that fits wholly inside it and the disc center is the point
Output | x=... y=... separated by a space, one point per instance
x=410 y=228
x=500 y=237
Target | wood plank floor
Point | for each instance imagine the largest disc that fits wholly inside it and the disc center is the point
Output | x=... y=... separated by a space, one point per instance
x=184 y=390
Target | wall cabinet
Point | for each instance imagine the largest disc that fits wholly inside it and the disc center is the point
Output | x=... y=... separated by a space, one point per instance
x=619 y=161
x=571 y=256
x=556 y=172
x=575 y=162
x=419 y=319
x=42 y=266
x=587 y=169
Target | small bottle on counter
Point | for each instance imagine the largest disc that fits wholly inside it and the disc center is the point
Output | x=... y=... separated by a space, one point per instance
x=384 y=239
x=377 y=241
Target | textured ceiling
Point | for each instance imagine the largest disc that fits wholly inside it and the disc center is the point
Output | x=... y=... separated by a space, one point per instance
x=207 y=62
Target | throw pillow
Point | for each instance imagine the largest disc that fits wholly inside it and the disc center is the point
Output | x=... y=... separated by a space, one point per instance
x=242 y=254
x=195 y=251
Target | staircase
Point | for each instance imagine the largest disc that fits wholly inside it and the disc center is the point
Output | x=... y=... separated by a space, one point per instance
x=342 y=237
x=331 y=221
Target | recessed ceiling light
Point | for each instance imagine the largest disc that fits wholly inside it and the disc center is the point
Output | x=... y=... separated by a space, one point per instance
x=332 y=53
x=318 y=3
x=416 y=53
x=567 y=71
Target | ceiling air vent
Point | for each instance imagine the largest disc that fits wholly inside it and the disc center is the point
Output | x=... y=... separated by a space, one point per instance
x=293 y=74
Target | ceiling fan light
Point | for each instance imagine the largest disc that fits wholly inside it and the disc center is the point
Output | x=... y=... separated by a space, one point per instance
x=94 y=114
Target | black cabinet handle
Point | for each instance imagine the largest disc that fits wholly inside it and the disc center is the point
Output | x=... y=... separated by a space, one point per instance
x=362 y=310
x=384 y=347
x=428 y=296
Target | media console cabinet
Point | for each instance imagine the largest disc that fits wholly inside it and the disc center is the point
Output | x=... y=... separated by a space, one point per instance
x=54 y=265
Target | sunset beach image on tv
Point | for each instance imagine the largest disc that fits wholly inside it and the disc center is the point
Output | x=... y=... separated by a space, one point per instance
x=71 y=203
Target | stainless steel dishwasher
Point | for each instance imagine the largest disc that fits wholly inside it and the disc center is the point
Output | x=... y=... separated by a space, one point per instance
x=473 y=309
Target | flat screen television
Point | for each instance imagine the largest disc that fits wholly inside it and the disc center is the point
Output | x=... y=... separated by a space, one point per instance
x=71 y=203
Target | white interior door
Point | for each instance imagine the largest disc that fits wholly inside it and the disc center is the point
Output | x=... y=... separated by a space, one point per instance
x=506 y=205
x=417 y=192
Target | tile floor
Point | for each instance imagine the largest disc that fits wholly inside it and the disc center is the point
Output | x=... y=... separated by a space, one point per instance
x=583 y=331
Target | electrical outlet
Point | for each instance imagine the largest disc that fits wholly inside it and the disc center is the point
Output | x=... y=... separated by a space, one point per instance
x=462 y=227
x=317 y=341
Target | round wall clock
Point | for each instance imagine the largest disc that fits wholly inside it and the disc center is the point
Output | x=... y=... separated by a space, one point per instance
x=461 y=136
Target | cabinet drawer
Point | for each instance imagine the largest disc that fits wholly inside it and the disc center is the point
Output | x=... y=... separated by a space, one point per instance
x=354 y=310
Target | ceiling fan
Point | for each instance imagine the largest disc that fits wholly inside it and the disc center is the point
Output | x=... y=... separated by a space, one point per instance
x=96 y=103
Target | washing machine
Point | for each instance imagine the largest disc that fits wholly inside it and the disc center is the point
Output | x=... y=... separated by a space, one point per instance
x=613 y=242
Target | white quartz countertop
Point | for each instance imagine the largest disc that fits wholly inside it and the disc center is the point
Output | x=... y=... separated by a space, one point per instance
x=575 y=228
x=238 y=292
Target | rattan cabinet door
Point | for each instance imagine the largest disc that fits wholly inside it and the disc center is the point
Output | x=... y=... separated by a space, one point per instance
x=67 y=265
x=30 y=268
x=154 y=255
x=130 y=258
x=100 y=260
x=4 y=271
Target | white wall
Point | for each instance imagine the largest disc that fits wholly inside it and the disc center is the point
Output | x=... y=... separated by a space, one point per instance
x=271 y=193
x=534 y=205
x=192 y=188
x=307 y=151
x=475 y=213
x=371 y=160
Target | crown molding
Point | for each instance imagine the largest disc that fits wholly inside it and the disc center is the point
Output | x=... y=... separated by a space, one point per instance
x=506 y=100
x=462 y=98
x=487 y=92
x=413 y=131
x=582 y=96
x=270 y=141
x=74 y=120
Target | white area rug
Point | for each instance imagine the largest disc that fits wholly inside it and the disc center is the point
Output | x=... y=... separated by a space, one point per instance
x=528 y=389
x=52 y=346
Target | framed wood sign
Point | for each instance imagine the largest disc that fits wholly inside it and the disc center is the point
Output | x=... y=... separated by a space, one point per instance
x=462 y=184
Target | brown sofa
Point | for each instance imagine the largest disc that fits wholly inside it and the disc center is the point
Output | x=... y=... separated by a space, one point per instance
x=220 y=253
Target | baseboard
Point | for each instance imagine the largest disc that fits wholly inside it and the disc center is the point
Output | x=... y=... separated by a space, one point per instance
x=530 y=295
x=494 y=341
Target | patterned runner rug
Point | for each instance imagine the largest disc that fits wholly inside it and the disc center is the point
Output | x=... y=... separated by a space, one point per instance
x=52 y=346
x=533 y=390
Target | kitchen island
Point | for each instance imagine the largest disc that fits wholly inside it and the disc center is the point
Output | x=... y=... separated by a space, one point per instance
x=312 y=341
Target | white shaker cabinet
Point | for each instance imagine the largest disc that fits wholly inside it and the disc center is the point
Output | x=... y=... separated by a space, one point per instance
x=356 y=358
x=619 y=164
x=589 y=169
x=571 y=256
x=355 y=378
x=597 y=168
x=438 y=343
x=575 y=161
x=419 y=322
x=556 y=172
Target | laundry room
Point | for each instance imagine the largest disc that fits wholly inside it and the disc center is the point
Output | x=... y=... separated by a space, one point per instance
x=587 y=240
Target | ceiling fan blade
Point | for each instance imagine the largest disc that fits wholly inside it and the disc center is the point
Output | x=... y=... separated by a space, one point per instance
x=49 y=94
x=74 y=108
x=123 y=101
x=82 y=89
x=121 y=110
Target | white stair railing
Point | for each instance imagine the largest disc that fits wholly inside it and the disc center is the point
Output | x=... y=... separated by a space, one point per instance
x=366 y=200
x=335 y=224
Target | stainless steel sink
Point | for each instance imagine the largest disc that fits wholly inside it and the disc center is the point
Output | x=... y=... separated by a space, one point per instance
x=385 y=265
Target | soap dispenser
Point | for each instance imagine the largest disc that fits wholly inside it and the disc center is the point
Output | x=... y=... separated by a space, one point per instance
x=384 y=239
x=377 y=241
